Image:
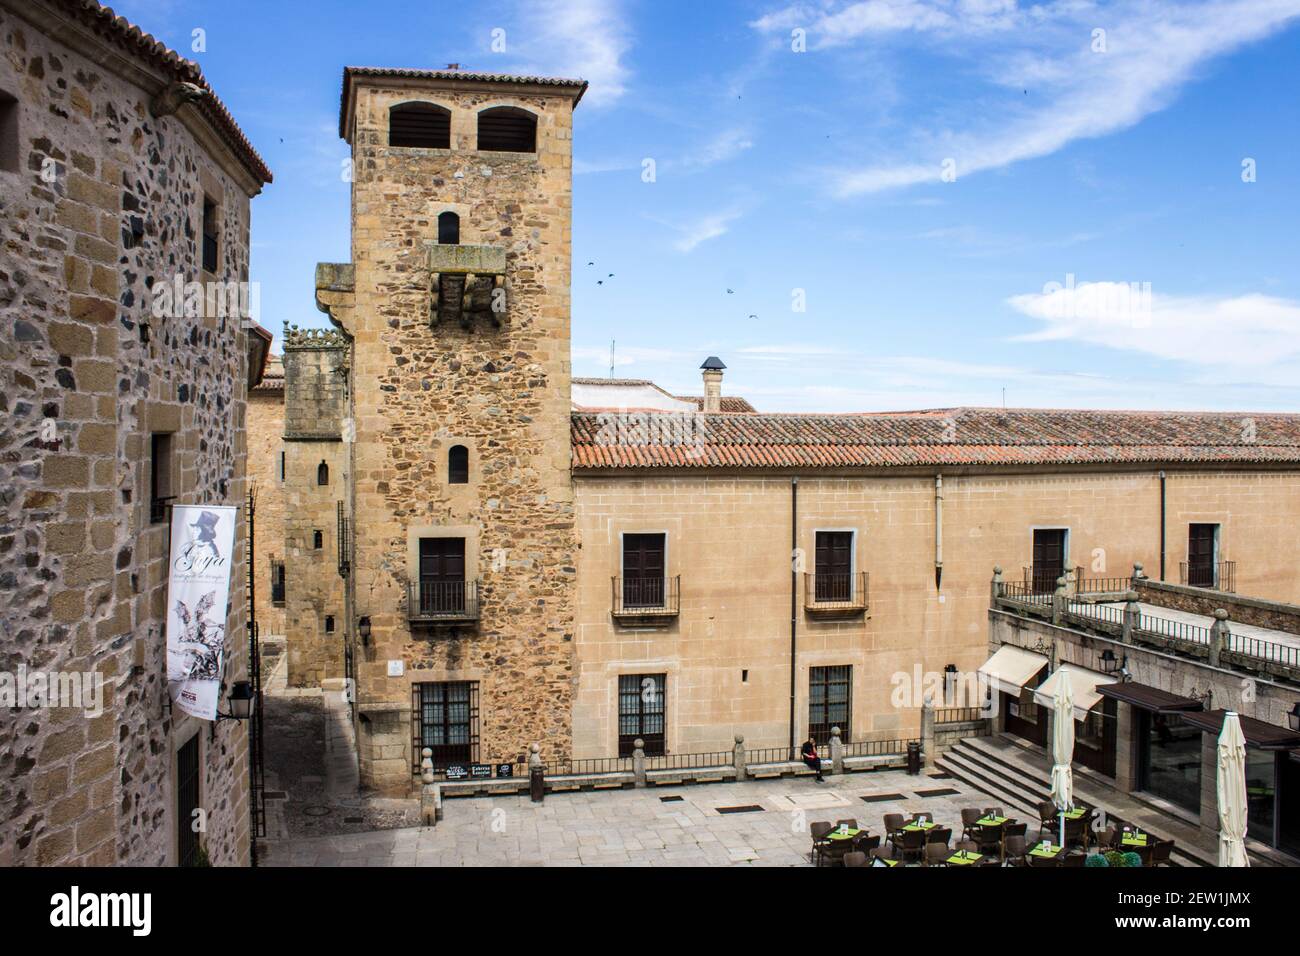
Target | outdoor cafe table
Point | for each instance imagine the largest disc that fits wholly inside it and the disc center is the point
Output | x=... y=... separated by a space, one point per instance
x=838 y=834
x=924 y=825
x=1075 y=814
x=1132 y=839
x=992 y=821
x=1040 y=850
x=963 y=858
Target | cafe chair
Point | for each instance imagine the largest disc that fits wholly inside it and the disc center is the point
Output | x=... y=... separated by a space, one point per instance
x=1014 y=828
x=939 y=835
x=1014 y=849
x=968 y=846
x=936 y=854
x=1031 y=860
x=988 y=839
x=1076 y=833
x=893 y=823
x=1073 y=859
x=923 y=816
x=909 y=844
x=1047 y=822
x=993 y=812
x=819 y=829
x=865 y=843
x=885 y=852
x=1161 y=852
x=855 y=859
x=1107 y=838
x=969 y=817
x=850 y=823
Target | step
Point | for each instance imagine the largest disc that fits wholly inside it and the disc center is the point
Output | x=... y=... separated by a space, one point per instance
x=1008 y=781
x=997 y=758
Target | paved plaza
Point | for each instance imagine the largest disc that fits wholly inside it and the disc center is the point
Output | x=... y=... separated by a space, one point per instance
x=668 y=826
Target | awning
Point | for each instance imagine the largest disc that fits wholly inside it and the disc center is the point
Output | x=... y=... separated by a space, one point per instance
x=1011 y=668
x=1082 y=681
x=1258 y=734
x=1149 y=698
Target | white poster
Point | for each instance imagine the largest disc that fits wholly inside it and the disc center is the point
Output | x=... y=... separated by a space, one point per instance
x=198 y=591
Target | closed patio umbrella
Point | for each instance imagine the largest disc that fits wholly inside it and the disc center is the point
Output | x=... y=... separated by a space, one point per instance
x=1063 y=750
x=1232 y=793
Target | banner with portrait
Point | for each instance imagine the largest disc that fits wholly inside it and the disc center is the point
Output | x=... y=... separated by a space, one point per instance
x=198 y=593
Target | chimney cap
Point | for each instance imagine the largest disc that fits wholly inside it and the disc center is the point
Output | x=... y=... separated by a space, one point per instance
x=713 y=363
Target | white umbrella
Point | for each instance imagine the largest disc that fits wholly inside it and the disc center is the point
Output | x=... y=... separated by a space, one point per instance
x=1063 y=750
x=1232 y=793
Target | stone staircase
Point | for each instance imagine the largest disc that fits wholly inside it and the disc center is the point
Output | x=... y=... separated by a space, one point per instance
x=1018 y=776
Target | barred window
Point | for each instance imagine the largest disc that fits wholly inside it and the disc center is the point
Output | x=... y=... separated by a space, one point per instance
x=829 y=702
x=641 y=713
x=446 y=721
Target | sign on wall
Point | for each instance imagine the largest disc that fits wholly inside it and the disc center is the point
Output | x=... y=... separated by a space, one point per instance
x=198 y=592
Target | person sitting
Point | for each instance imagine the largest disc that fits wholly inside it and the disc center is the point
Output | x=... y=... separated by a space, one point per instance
x=809 y=754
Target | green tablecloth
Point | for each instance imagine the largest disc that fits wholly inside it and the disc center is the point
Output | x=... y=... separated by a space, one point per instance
x=965 y=859
x=1045 y=854
x=846 y=835
x=929 y=825
x=992 y=821
x=1075 y=814
x=1130 y=840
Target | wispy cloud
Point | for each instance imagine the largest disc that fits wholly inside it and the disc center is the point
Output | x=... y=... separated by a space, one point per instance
x=588 y=39
x=1085 y=84
x=703 y=228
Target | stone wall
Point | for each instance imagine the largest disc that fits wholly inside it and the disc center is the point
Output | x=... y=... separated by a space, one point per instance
x=265 y=446
x=82 y=567
x=1241 y=608
x=503 y=392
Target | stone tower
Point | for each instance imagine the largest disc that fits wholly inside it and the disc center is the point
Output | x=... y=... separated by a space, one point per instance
x=462 y=579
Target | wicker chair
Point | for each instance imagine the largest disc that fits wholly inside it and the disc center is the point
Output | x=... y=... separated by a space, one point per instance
x=1047 y=822
x=968 y=846
x=1161 y=853
x=1031 y=860
x=989 y=839
x=993 y=812
x=885 y=852
x=865 y=843
x=1013 y=849
x=819 y=829
x=909 y=844
x=1076 y=833
x=940 y=835
x=969 y=817
x=936 y=854
x=1014 y=828
x=1073 y=859
x=855 y=859
x=1107 y=838
x=923 y=816
x=851 y=823
x=893 y=823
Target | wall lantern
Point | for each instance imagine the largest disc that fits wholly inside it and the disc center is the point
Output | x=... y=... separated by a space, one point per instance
x=1109 y=662
x=363 y=628
x=241 y=701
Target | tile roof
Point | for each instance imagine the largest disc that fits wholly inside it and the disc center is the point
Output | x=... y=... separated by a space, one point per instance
x=119 y=31
x=462 y=75
x=941 y=437
x=731 y=404
x=272 y=376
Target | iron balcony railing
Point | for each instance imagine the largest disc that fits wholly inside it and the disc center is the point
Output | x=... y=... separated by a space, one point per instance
x=1042 y=579
x=1219 y=576
x=442 y=602
x=836 y=592
x=646 y=597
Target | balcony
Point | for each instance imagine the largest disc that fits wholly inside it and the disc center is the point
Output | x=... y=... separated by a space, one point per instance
x=442 y=603
x=835 y=594
x=1218 y=576
x=646 y=599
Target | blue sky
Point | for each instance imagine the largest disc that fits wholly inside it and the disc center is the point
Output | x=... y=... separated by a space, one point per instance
x=827 y=174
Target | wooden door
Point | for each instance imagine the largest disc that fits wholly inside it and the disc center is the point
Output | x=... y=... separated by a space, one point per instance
x=442 y=575
x=1049 y=558
x=643 y=570
x=833 y=569
x=1200 y=555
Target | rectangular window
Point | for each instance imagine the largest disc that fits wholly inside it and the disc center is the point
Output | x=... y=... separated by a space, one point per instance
x=317 y=540
x=277 y=583
x=282 y=466
x=8 y=133
x=1049 y=559
x=643 y=570
x=829 y=702
x=210 y=228
x=188 y=799
x=1202 y=553
x=160 y=476
x=833 y=577
x=442 y=575
x=446 y=721
x=641 y=713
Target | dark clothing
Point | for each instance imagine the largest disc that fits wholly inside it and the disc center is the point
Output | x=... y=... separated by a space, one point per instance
x=809 y=754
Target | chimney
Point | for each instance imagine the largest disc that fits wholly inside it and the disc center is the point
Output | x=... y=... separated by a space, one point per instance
x=713 y=383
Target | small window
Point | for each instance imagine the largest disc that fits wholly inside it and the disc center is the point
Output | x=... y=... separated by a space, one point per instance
x=209 y=235
x=282 y=466
x=448 y=229
x=419 y=125
x=277 y=583
x=507 y=129
x=8 y=133
x=318 y=539
x=160 y=476
x=322 y=474
x=458 y=465
x=329 y=623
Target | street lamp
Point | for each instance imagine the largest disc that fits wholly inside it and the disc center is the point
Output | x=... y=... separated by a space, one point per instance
x=1109 y=662
x=363 y=628
x=1293 y=716
x=241 y=701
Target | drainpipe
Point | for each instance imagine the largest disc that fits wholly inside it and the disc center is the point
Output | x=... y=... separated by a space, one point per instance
x=1162 y=525
x=794 y=587
x=938 y=531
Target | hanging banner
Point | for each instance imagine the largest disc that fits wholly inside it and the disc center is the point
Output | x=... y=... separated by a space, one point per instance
x=198 y=592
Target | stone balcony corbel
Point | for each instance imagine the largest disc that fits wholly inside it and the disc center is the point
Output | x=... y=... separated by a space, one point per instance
x=336 y=286
x=453 y=287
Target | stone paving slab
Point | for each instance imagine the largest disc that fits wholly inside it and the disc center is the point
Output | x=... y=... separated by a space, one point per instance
x=634 y=827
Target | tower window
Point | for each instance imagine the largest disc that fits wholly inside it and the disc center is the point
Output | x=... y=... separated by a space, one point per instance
x=507 y=129
x=322 y=474
x=419 y=125
x=448 y=229
x=458 y=465
x=209 y=235
x=282 y=466
x=318 y=539
x=160 y=476
x=329 y=623
x=8 y=132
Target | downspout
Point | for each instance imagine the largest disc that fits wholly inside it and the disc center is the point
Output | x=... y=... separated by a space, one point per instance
x=938 y=532
x=1162 y=525
x=794 y=587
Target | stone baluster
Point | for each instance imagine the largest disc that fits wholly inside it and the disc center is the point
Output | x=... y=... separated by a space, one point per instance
x=1060 y=599
x=927 y=730
x=1132 y=616
x=997 y=588
x=1219 y=635
x=638 y=762
x=837 y=751
x=738 y=758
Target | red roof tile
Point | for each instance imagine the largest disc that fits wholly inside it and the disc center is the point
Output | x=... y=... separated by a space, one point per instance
x=941 y=437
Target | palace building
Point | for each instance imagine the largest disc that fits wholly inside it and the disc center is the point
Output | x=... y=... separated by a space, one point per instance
x=496 y=555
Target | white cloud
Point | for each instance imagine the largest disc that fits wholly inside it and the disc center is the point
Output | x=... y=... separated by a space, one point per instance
x=727 y=144
x=586 y=39
x=1151 y=51
x=704 y=228
x=1245 y=332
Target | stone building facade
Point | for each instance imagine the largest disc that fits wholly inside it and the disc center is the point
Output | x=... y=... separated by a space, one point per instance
x=265 y=467
x=122 y=175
